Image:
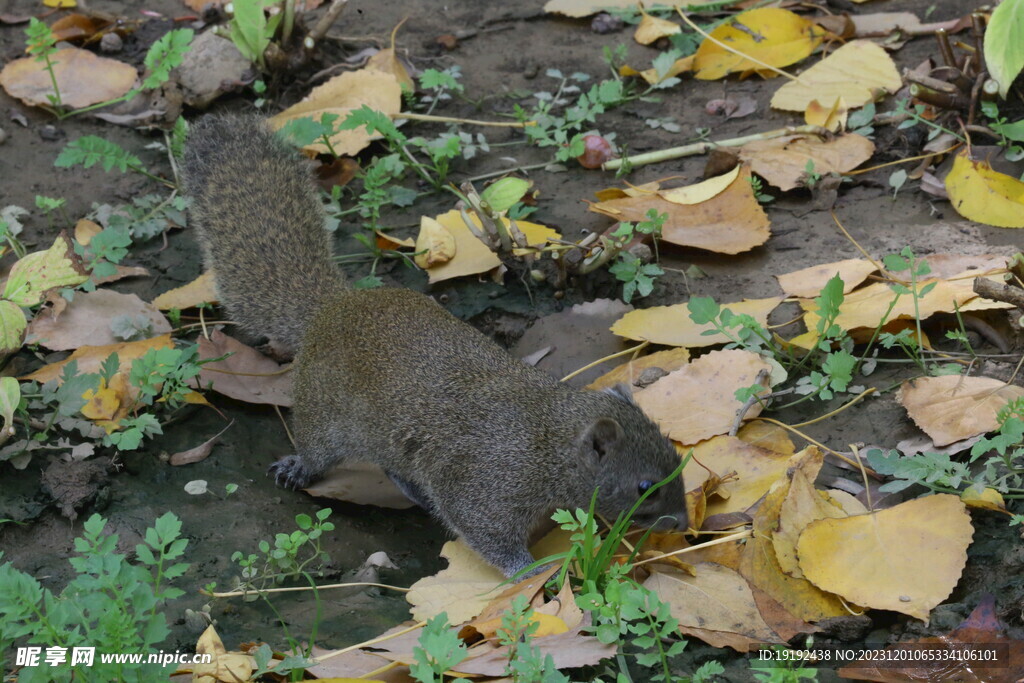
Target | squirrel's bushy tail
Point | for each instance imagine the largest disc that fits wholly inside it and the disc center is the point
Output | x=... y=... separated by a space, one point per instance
x=260 y=224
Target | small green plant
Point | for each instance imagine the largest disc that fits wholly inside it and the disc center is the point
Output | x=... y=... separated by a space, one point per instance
x=995 y=462
x=252 y=31
x=757 y=185
x=811 y=176
x=163 y=56
x=111 y=605
x=742 y=330
x=1011 y=135
x=293 y=555
x=906 y=261
x=915 y=115
x=861 y=121
x=439 y=649
x=439 y=85
x=526 y=663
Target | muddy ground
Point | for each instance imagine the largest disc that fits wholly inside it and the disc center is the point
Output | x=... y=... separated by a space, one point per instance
x=511 y=55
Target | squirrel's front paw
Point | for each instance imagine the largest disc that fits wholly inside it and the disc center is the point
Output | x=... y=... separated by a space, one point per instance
x=290 y=472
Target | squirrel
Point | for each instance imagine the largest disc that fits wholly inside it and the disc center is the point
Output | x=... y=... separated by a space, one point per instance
x=486 y=443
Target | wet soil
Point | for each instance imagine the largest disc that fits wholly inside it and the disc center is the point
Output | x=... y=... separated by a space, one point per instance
x=510 y=54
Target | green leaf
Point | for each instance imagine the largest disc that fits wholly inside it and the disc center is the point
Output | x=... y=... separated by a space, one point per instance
x=1004 y=43
x=703 y=309
x=35 y=274
x=91 y=149
x=502 y=194
x=166 y=54
x=374 y=122
x=10 y=397
x=1012 y=131
x=12 y=327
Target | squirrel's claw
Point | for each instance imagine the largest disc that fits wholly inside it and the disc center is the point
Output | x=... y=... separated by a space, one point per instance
x=290 y=473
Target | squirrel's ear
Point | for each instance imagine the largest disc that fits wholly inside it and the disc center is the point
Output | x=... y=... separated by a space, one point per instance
x=602 y=436
x=621 y=390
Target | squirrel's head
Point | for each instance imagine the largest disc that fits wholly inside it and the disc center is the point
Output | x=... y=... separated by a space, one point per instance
x=629 y=455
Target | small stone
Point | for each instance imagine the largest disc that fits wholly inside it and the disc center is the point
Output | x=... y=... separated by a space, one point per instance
x=606 y=23
x=50 y=133
x=648 y=377
x=111 y=42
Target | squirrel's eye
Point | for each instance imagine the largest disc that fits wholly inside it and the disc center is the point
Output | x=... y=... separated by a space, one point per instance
x=644 y=485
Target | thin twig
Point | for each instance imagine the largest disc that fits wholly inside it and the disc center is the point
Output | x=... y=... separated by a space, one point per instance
x=471 y=122
x=327 y=20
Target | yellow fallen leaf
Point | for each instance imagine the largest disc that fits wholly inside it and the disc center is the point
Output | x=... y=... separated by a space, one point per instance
x=760 y=566
x=907 y=558
x=698 y=400
x=803 y=504
x=702 y=191
x=85 y=230
x=859 y=72
x=110 y=403
x=653 y=28
x=951 y=408
x=716 y=599
x=61 y=4
x=90 y=358
x=672 y=326
x=681 y=65
x=434 y=245
x=468 y=584
x=783 y=161
x=224 y=666
x=201 y=290
x=373 y=88
x=807 y=283
x=82 y=77
x=668 y=360
x=36 y=273
x=867 y=306
x=981 y=194
x=829 y=116
x=628 y=191
x=772 y=36
x=748 y=472
x=387 y=61
x=730 y=222
x=471 y=255
x=984 y=499
x=12 y=327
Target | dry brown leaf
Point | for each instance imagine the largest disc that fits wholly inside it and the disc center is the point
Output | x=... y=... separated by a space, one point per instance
x=197 y=453
x=224 y=666
x=87 y=319
x=952 y=407
x=698 y=401
x=572 y=649
x=388 y=62
x=808 y=282
x=584 y=8
x=730 y=222
x=760 y=567
x=783 y=161
x=628 y=372
x=768 y=436
x=90 y=358
x=246 y=375
x=201 y=290
x=672 y=326
x=907 y=558
x=83 y=79
x=716 y=599
x=859 y=72
x=362 y=484
x=85 y=230
x=376 y=89
x=351 y=665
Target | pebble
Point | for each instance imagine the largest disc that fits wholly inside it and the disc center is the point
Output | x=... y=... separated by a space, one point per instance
x=111 y=42
x=606 y=23
x=50 y=133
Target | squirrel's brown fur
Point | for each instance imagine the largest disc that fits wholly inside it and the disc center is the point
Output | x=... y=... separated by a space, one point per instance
x=487 y=443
